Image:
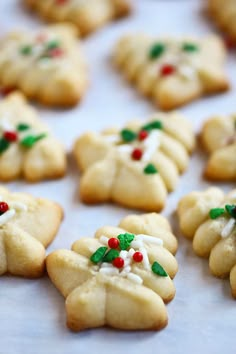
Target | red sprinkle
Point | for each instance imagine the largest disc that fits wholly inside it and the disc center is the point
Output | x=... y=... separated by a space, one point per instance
x=137 y=154
x=142 y=135
x=113 y=242
x=7 y=90
x=3 y=207
x=167 y=69
x=41 y=37
x=10 y=136
x=56 y=52
x=61 y=2
x=137 y=257
x=118 y=262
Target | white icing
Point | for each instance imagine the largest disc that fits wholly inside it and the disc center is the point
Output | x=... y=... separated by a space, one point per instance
x=109 y=271
x=136 y=244
x=146 y=263
x=7 y=216
x=187 y=72
x=228 y=228
x=135 y=278
x=104 y=240
x=125 y=148
x=5 y=125
x=151 y=144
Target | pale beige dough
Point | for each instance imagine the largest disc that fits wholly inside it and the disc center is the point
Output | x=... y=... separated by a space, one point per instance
x=109 y=173
x=86 y=15
x=196 y=72
x=213 y=238
x=46 y=159
x=218 y=137
x=95 y=299
x=47 y=65
x=23 y=237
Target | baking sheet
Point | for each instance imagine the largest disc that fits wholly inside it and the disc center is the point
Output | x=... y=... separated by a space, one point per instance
x=202 y=317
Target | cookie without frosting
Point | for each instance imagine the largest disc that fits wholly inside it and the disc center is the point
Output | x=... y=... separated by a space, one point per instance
x=27 y=226
x=27 y=149
x=119 y=278
x=219 y=139
x=209 y=219
x=46 y=65
x=135 y=166
x=224 y=15
x=86 y=15
x=172 y=71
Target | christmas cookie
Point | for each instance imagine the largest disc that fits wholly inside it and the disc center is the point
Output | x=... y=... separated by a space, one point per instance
x=46 y=65
x=87 y=15
x=119 y=278
x=209 y=219
x=27 y=226
x=135 y=166
x=172 y=71
x=27 y=149
x=219 y=139
x=224 y=14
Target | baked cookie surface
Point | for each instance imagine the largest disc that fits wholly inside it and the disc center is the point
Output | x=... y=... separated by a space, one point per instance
x=46 y=65
x=27 y=226
x=209 y=219
x=119 y=278
x=224 y=15
x=27 y=149
x=172 y=71
x=135 y=166
x=218 y=137
x=87 y=15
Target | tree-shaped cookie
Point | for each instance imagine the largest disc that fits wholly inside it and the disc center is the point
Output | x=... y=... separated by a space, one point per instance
x=27 y=226
x=135 y=166
x=209 y=219
x=46 y=65
x=219 y=139
x=172 y=71
x=121 y=278
x=224 y=15
x=87 y=15
x=27 y=149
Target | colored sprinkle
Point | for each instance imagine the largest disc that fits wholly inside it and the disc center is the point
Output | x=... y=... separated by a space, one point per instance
x=110 y=255
x=125 y=240
x=142 y=135
x=10 y=136
x=52 y=44
x=98 y=255
x=138 y=257
x=159 y=270
x=190 y=47
x=22 y=127
x=118 y=262
x=56 y=52
x=4 y=145
x=156 y=50
x=156 y=124
x=113 y=242
x=231 y=210
x=137 y=154
x=26 y=50
x=30 y=140
x=128 y=135
x=150 y=169
x=167 y=69
x=216 y=212
x=3 y=207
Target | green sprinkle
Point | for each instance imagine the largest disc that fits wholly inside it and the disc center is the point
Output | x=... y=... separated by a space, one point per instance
x=98 y=255
x=190 y=47
x=26 y=50
x=111 y=255
x=156 y=124
x=150 y=169
x=159 y=270
x=22 y=127
x=231 y=210
x=125 y=240
x=30 y=140
x=128 y=135
x=4 y=145
x=53 y=44
x=156 y=50
x=216 y=212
